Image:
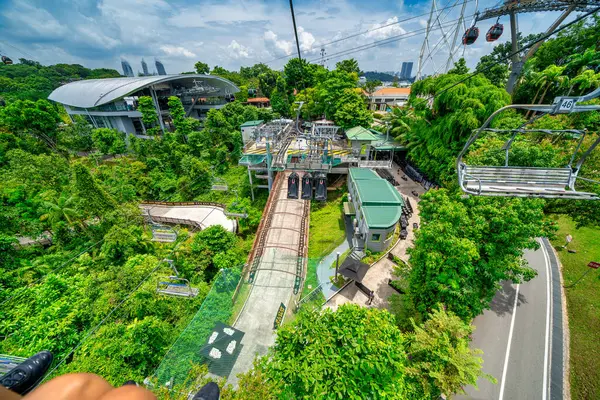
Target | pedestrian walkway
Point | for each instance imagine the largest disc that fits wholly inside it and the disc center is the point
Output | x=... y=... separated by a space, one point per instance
x=279 y=250
x=204 y=215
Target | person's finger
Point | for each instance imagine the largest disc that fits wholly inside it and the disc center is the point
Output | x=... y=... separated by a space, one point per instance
x=6 y=394
x=71 y=387
x=128 y=392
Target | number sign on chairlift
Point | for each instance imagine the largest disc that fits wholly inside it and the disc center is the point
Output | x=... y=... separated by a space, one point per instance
x=524 y=181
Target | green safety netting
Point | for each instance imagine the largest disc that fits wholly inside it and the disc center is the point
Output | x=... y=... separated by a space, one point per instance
x=186 y=352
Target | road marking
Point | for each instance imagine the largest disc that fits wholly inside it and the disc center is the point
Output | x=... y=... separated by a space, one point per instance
x=547 y=338
x=510 y=334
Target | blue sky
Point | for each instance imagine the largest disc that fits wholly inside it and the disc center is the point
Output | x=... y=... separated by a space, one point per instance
x=229 y=33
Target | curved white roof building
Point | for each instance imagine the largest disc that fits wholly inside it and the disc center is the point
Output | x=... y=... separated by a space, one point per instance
x=112 y=102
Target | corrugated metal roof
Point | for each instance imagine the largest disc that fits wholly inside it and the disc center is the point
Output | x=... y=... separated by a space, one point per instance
x=380 y=202
x=381 y=217
x=359 y=133
x=91 y=93
x=363 y=173
x=377 y=192
x=252 y=123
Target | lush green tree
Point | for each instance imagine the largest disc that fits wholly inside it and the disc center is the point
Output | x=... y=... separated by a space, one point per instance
x=352 y=110
x=201 y=68
x=242 y=95
x=59 y=208
x=371 y=86
x=350 y=66
x=438 y=131
x=35 y=118
x=149 y=115
x=215 y=239
x=440 y=358
x=183 y=125
x=460 y=68
x=93 y=198
x=299 y=74
x=123 y=242
x=242 y=206
x=76 y=136
x=109 y=141
x=466 y=247
x=352 y=353
x=267 y=82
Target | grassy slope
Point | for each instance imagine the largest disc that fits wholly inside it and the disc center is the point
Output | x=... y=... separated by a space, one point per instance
x=583 y=305
x=325 y=234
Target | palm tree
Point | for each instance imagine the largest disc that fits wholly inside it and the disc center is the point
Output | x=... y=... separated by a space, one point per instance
x=586 y=80
x=59 y=208
x=400 y=119
x=551 y=76
x=545 y=79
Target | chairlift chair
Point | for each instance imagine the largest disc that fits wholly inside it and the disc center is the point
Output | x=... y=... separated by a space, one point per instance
x=173 y=285
x=219 y=184
x=520 y=181
x=162 y=233
x=470 y=35
x=494 y=32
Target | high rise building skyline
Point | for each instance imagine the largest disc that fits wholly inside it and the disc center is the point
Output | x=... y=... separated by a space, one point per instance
x=406 y=72
x=127 y=70
x=145 y=68
x=160 y=68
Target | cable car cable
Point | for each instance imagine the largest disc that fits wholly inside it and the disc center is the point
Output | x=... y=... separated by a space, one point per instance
x=52 y=271
x=385 y=25
x=531 y=44
x=381 y=42
x=95 y=328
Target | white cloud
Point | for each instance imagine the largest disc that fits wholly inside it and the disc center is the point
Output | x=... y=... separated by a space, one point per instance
x=306 y=40
x=275 y=46
x=238 y=51
x=388 y=29
x=177 y=51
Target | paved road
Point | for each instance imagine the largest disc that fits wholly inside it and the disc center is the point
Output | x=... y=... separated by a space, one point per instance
x=521 y=336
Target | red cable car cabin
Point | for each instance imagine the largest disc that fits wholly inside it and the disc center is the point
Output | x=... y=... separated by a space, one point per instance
x=470 y=35
x=494 y=33
x=6 y=60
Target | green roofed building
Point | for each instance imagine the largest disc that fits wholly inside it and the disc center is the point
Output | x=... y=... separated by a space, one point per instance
x=377 y=206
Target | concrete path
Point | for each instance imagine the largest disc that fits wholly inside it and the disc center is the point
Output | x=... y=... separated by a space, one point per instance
x=521 y=336
x=274 y=279
x=205 y=215
x=326 y=268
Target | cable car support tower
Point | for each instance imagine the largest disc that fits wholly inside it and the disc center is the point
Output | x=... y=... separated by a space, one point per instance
x=514 y=7
x=439 y=21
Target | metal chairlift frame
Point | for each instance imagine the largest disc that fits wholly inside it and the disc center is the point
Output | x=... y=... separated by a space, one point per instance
x=549 y=183
x=173 y=285
x=168 y=236
x=236 y=215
